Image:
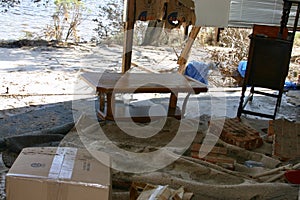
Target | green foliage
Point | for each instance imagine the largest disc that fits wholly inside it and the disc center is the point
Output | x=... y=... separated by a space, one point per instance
x=297 y=39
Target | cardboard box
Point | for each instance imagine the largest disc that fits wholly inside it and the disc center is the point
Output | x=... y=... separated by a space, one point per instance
x=59 y=174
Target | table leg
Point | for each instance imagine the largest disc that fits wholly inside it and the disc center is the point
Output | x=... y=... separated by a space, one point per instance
x=172 y=104
x=185 y=104
x=102 y=101
x=110 y=106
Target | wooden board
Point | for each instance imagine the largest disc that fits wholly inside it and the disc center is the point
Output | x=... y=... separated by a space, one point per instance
x=143 y=82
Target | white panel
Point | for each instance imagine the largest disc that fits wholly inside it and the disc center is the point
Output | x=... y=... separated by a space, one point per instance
x=212 y=13
x=249 y=12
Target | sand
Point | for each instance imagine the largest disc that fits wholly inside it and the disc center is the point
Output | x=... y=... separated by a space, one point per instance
x=35 y=77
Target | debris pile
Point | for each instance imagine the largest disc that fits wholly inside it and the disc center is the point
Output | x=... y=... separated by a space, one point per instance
x=140 y=191
x=223 y=170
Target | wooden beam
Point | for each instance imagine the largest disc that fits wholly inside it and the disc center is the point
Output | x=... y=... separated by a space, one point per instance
x=217 y=34
x=187 y=49
x=128 y=35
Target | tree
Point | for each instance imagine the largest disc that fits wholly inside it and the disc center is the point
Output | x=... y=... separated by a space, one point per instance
x=110 y=19
x=66 y=19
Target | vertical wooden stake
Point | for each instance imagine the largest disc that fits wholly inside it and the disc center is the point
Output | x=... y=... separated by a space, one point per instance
x=217 y=34
x=187 y=49
x=128 y=35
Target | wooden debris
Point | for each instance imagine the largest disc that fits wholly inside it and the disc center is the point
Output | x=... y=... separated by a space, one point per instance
x=157 y=192
x=286 y=139
x=187 y=49
x=275 y=177
x=279 y=172
x=138 y=65
x=218 y=191
x=272 y=171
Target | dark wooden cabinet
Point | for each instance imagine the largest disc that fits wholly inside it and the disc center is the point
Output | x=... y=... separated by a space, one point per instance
x=268 y=61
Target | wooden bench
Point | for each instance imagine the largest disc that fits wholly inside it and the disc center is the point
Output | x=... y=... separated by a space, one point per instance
x=109 y=84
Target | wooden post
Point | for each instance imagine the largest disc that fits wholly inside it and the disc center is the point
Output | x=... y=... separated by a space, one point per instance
x=187 y=49
x=128 y=35
x=217 y=34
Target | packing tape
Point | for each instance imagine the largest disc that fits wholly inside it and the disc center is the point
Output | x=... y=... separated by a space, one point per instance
x=61 y=168
x=63 y=163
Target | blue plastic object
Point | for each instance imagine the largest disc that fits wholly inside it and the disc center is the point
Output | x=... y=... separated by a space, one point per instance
x=242 y=68
x=251 y=163
x=289 y=85
x=198 y=71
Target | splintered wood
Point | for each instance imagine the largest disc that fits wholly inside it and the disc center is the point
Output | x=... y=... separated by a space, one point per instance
x=236 y=133
x=158 y=192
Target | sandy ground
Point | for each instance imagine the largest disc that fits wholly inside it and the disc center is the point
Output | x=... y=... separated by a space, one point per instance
x=32 y=76
x=42 y=75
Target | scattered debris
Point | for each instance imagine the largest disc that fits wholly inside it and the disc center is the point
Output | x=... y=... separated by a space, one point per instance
x=218 y=156
x=286 y=139
x=251 y=163
x=279 y=172
x=293 y=176
x=159 y=192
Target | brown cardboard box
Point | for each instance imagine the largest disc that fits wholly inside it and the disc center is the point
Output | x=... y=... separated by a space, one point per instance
x=59 y=174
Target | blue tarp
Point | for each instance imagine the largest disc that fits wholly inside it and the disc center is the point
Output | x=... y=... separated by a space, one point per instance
x=198 y=71
x=242 y=68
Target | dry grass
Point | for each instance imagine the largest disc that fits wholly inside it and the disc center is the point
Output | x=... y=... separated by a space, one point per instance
x=235 y=46
x=297 y=39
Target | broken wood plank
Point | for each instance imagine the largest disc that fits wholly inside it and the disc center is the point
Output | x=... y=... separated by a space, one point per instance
x=187 y=49
x=135 y=64
x=272 y=171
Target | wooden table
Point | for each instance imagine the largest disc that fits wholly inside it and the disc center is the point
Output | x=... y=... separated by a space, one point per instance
x=109 y=84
